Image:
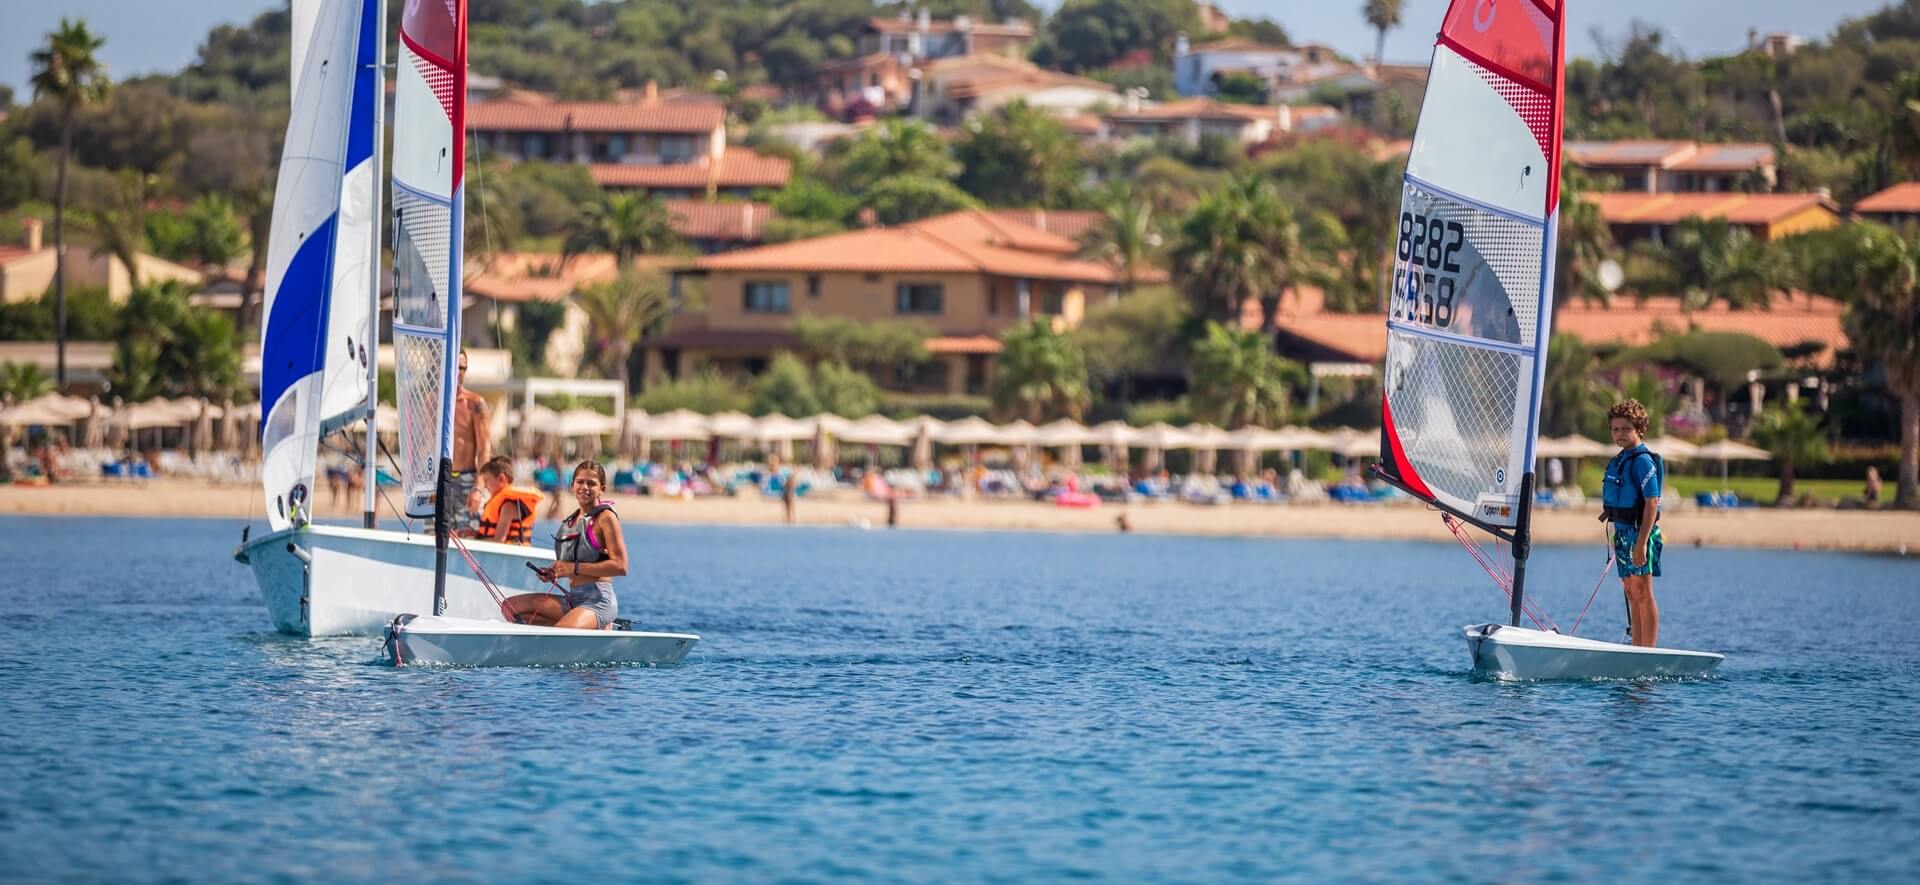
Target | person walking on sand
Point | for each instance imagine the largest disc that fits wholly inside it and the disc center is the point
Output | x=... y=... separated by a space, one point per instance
x=472 y=447
x=1630 y=498
x=1871 y=497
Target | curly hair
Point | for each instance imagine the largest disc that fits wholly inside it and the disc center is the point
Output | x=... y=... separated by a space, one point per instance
x=1632 y=410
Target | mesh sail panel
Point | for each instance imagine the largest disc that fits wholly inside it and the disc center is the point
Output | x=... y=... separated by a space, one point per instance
x=1463 y=270
x=1461 y=414
x=420 y=258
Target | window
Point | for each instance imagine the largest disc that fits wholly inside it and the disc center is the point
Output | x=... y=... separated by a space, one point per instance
x=1053 y=302
x=765 y=297
x=677 y=149
x=813 y=285
x=616 y=148
x=533 y=146
x=928 y=376
x=917 y=298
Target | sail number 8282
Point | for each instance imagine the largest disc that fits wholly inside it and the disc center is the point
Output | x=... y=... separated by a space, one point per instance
x=1427 y=297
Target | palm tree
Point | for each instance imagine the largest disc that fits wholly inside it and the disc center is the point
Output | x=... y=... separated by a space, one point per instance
x=209 y=355
x=1794 y=437
x=69 y=71
x=23 y=381
x=896 y=148
x=1125 y=237
x=119 y=230
x=1040 y=374
x=1573 y=395
x=619 y=313
x=1237 y=381
x=628 y=225
x=1709 y=259
x=1383 y=15
x=1877 y=272
x=1239 y=242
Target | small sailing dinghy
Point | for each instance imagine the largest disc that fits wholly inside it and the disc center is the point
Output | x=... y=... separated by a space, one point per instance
x=1470 y=314
x=429 y=112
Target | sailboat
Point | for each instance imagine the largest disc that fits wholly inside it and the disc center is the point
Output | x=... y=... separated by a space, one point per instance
x=429 y=149
x=318 y=373
x=1469 y=316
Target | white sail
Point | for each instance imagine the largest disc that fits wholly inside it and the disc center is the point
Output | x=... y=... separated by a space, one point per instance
x=304 y=345
x=350 y=331
x=428 y=155
x=1471 y=301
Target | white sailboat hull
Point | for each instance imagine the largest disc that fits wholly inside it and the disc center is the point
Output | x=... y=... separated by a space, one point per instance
x=1508 y=652
x=353 y=581
x=465 y=642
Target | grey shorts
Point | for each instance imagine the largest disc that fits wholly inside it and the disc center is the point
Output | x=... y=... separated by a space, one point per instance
x=458 y=514
x=597 y=598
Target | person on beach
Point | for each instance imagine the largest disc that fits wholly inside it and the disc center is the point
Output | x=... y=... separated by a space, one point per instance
x=472 y=447
x=1871 y=495
x=589 y=551
x=1630 y=498
x=509 y=512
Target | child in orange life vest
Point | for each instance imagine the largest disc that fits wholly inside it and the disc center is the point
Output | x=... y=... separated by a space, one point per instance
x=508 y=516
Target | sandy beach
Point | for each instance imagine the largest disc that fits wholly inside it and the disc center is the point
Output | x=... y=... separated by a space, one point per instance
x=1859 y=530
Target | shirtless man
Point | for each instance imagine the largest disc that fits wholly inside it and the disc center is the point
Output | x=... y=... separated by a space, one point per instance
x=472 y=447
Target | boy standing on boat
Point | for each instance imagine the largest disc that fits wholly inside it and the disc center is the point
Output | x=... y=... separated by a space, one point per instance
x=1630 y=498
x=472 y=447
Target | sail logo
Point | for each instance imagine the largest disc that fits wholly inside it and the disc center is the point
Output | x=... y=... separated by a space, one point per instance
x=1492 y=8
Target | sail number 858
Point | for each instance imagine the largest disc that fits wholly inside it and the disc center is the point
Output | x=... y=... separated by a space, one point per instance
x=1430 y=242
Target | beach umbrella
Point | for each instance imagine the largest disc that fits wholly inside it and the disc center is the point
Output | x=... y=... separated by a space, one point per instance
x=579 y=422
x=781 y=431
x=1672 y=448
x=1068 y=436
x=877 y=430
x=923 y=428
x=38 y=411
x=1114 y=439
x=1206 y=440
x=1158 y=438
x=1358 y=444
x=150 y=414
x=1727 y=450
x=93 y=428
x=969 y=431
x=1571 y=446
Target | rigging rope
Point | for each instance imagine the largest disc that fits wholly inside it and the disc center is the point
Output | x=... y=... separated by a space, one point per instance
x=493 y=590
x=1498 y=573
x=1596 y=584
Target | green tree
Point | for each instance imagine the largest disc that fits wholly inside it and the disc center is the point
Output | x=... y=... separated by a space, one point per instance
x=1132 y=335
x=1877 y=272
x=119 y=227
x=1040 y=374
x=1019 y=155
x=785 y=387
x=1708 y=260
x=209 y=365
x=811 y=199
x=1384 y=16
x=1084 y=34
x=869 y=346
x=905 y=198
x=891 y=151
x=1652 y=392
x=706 y=392
x=1585 y=244
x=1794 y=438
x=166 y=347
x=619 y=313
x=845 y=391
x=1573 y=394
x=1239 y=243
x=1238 y=381
x=628 y=225
x=1126 y=237
x=1240 y=87
x=68 y=71
x=533 y=327
x=24 y=381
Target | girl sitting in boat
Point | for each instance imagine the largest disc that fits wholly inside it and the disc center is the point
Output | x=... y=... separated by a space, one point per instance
x=589 y=551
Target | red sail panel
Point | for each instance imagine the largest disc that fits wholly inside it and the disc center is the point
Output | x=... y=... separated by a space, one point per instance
x=437 y=31
x=1517 y=47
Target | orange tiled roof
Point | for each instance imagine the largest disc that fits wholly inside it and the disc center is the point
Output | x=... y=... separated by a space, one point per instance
x=698 y=220
x=966 y=76
x=1070 y=223
x=1240 y=44
x=1902 y=197
x=962 y=242
x=1683 y=156
x=738 y=168
x=1736 y=208
x=544 y=276
x=1627 y=323
x=9 y=254
x=521 y=115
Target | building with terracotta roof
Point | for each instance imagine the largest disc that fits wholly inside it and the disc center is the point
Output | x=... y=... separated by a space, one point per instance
x=968 y=275
x=1643 y=216
x=1191 y=119
x=27 y=269
x=953 y=89
x=1897 y=205
x=1198 y=68
x=719 y=227
x=675 y=145
x=1649 y=166
x=1308 y=333
x=879 y=77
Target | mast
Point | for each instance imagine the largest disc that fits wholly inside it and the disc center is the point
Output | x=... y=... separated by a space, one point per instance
x=369 y=464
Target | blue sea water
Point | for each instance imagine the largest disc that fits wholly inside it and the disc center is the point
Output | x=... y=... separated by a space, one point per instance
x=961 y=706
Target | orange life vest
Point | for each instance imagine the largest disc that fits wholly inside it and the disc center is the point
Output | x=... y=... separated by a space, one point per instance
x=520 y=531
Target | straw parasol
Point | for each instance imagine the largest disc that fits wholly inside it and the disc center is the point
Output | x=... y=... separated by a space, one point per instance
x=577 y=422
x=878 y=430
x=1068 y=436
x=969 y=431
x=781 y=431
x=923 y=428
x=1114 y=439
x=43 y=411
x=1206 y=440
x=1572 y=446
x=1727 y=450
x=1672 y=448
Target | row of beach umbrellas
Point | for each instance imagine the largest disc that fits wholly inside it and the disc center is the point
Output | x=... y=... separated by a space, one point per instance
x=97 y=423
